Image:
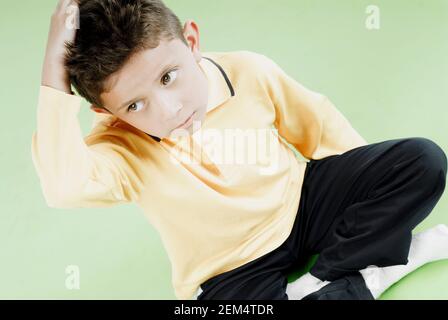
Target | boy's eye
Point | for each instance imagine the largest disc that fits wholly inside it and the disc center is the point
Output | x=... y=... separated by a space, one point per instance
x=134 y=106
x=166 y=77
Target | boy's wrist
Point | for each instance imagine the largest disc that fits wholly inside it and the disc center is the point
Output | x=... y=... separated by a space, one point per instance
x=54 y=75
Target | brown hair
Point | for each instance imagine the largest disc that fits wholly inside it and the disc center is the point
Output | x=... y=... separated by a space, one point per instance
x=110 y=32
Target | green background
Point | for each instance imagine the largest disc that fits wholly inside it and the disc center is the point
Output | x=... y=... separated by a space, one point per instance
x=389 y=83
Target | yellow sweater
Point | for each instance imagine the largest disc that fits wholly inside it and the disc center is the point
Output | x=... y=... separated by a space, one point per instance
x=213 y=213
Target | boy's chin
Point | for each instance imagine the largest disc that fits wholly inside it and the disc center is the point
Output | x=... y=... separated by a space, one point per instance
x=177 y=133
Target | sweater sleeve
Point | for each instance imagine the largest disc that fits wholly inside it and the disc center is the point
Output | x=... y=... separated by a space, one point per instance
x=306 y=119
x=77 y=172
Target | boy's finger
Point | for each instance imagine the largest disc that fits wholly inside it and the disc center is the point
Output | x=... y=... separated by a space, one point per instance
x=58 y=6
x=67 y=3
x=73 y=2
x=62 y=6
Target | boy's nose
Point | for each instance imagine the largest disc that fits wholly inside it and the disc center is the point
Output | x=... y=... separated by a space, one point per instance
x=173 y=114
x=171 y=110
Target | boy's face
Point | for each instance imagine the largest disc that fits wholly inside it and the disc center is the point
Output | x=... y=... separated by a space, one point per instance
x=159 y=89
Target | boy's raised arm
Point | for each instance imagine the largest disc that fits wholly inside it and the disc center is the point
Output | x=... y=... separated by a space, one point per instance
x=61 y=31
x=73 y=174
x=306 y=119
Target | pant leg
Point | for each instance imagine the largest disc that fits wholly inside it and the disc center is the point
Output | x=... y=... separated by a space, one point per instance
x=268 y=286
x=348 y=287
x=261 y=279
x=264 y=278
x=364 y=204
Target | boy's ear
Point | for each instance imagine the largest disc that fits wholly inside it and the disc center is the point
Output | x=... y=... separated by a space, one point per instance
x=98 y=109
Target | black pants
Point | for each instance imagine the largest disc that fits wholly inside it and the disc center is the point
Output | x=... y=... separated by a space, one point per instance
x=356 y=209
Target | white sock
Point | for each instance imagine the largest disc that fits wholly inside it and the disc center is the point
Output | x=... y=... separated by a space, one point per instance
x=303 y=286
x=426 y=246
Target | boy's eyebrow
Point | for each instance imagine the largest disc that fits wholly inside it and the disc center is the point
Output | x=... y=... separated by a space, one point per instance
x=165 y=69
x=127 y=103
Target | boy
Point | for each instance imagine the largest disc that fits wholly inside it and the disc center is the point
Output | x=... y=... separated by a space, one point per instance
x=232 y=228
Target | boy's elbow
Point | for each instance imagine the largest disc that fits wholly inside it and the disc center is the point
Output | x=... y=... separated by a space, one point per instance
x=60 y=204
x=63 y=198
x=61 y=195
x=60 y=199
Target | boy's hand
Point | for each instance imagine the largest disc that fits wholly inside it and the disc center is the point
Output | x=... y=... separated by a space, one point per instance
x=64 y=22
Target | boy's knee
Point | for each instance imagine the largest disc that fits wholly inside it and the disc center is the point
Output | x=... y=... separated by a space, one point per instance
x=432 y=164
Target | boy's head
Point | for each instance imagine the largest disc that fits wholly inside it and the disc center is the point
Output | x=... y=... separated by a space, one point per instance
x=133 y=59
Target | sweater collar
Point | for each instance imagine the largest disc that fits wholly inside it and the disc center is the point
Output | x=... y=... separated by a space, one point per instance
x=220 y=89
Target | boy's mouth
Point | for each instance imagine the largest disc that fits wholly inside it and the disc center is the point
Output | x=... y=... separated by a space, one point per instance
x=187 y=122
